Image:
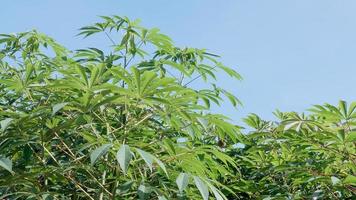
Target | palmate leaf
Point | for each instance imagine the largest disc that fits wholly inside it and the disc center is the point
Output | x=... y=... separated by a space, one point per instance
x=140 y=105
x=117 y=97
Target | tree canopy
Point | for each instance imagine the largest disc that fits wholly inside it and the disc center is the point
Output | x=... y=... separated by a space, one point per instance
x=126 y=124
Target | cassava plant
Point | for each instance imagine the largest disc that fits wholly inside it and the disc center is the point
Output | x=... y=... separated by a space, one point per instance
x=126 y=123
x=299 y=156
x=122 y=123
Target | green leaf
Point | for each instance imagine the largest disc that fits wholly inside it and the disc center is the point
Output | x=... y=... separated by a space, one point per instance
x=335 y=180
x=124 y=156
x=218 y=195
x=147 y=157
x=182 y=181
x=5 y=123
x=58 y=107
x=343 y=108
x=144 y=191
x=6 y=163
x=229 y=71
x=97 y=153
x=350 y=180
x=352 y=108
x=125 y=187
x=162 y=198
x=161 y=165
x=351 y=137
x=203 y=189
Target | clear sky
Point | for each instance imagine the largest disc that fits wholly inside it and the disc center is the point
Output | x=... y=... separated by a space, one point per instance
x=291 y=53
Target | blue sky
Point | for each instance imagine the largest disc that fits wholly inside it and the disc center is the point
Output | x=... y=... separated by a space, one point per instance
x=291 y=53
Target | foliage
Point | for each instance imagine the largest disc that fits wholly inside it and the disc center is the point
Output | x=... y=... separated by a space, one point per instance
x=300 y=156
x=126 y=124
x=119 y=125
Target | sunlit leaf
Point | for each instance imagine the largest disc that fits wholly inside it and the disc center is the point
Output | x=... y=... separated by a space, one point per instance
x=182 y=181
x=58 y=107
x=6 y=163
x=202 y=187
x=5 y=123
x=124 y=157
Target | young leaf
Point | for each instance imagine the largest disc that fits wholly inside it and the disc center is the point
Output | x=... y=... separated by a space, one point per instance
x=124 y=156
x=97 y=153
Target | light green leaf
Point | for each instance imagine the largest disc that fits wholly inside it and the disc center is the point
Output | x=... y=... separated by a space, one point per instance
x=147 y=157
x=203 y=189
x=161 y=165
x=343 y=108
x=290 y=125
x=124 y=157
x=97 y=153
x=162 y=198
x=6 y=163
x=5 y=123
x=204 y=122
x=335 y=180
x=57 y=107
x=350 y=180
x=217 y=193
x=182 y=181
x=351 y=137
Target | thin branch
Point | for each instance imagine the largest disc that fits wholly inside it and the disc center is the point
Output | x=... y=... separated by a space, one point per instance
x=78 y=185
x=108 y=36
x=197 y=77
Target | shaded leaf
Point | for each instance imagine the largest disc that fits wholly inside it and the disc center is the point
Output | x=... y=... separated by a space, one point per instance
x=97 y=153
